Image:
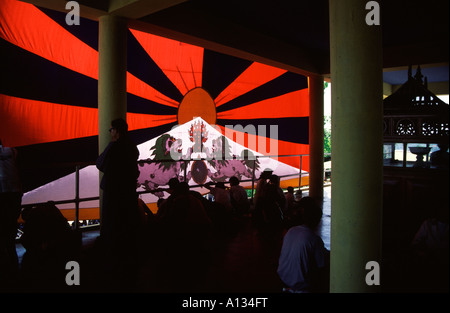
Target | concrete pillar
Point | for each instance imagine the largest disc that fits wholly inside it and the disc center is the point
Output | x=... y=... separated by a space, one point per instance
x=357 y=138
x=316 y=134
x=112 y=76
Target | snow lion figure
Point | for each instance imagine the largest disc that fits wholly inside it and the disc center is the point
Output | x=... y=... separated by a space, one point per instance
x=159 y=170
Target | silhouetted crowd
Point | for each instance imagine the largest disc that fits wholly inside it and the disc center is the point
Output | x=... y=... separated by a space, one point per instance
x=172 y=250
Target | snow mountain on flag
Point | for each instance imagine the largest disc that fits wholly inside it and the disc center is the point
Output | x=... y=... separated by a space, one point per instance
x=199 y=153
x=195 y=152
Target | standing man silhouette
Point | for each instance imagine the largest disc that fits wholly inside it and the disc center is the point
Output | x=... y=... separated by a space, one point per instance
x=10 y=207
x=120 y=214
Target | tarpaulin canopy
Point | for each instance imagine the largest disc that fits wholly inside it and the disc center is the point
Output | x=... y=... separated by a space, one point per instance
x=49 y=93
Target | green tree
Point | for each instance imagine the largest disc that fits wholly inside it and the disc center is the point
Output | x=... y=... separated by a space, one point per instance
x=327 y=136
x=326 y=131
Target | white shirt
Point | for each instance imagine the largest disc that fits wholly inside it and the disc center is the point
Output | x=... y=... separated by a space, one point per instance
x=302 y=252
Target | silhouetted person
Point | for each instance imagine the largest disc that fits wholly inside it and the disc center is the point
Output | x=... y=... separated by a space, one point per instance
x=440 y=158
x=429 y=257
x=257 y=214
x=185 y=232
x=262 y=181
x=431 y=236
x=298 y=195
x=221 y=195
x=50 y=243
x=269 y=216
x=303 y=263
x=295 y=216
x=10 y=206
x=281 y=199
x=120 y=214
x=186 y=212
x=173 y=182
x=238 y=197
x=290 y=198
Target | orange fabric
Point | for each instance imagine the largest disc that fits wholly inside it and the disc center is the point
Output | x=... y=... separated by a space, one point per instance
x=181 y=62
x=197 y=102
x=254 y=76
x=26 y=26
x=270 y=147
x=29 y=28
x=288 y=105
x=31 y=126
x=143 y=90
x=60 y=122
x=293 y=182
x=139 y=121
